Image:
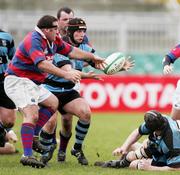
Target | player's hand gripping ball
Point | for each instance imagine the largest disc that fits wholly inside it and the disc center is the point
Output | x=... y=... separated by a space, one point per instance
x=117 y=62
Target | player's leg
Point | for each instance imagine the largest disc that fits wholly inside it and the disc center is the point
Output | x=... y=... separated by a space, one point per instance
x=65 y=135
x=126 y=160
x=7 y=114
x=47 y=138
x=46 y=118
x=80 y=108
x=26 y=95
x=175 y=113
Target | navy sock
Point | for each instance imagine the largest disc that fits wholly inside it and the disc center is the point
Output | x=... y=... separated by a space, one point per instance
x=81 y=132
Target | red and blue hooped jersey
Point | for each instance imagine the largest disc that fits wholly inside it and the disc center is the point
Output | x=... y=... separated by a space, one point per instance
x=32 y=50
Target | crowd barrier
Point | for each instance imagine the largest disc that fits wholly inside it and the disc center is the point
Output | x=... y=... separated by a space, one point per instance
x=129 y=93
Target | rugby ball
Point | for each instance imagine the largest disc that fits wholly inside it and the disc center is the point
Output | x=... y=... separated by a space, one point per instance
x=114 y=63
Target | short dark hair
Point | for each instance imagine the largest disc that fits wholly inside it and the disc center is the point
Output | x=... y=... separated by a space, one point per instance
x=154 y=121
x=46 y=22
x=64 y=9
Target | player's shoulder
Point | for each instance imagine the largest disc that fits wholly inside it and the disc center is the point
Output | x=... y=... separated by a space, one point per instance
x=85 y=40
x=85 y=47
x=6 y=35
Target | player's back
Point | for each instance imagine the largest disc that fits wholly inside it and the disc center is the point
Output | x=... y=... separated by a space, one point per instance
x=7 y=50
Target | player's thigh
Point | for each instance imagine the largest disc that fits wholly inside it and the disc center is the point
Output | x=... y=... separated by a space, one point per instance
x=51 y=101
x=78 y=107
x=175 y=113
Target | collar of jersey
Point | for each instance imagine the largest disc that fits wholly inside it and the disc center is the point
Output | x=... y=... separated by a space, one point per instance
x=37 y=29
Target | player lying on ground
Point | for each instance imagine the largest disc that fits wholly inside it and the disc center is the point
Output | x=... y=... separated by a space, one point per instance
x=160 y=152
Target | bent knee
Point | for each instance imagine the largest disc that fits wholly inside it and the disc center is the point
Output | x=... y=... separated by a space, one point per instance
x=85 y=115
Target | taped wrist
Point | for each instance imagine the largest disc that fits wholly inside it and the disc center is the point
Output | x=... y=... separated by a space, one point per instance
x=91 y=63
x=166 y=61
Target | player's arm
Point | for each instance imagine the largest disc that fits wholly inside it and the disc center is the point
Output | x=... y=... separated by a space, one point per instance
x=167 y=68
x=169 y=59
x=164 y=168
x=77 y=53
x=39 y=58
x=90 y=75
x=146 y=165
x=132 y=138
x=72 y=75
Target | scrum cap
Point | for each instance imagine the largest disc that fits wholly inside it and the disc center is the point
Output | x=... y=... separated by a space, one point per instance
x=76 y=24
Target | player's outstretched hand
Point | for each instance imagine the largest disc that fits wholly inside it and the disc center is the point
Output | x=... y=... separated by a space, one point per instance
x=92 y=75
x=119 y=151
x=129 y=64
x=99 y=62
x=167 y=69
x=73 y=75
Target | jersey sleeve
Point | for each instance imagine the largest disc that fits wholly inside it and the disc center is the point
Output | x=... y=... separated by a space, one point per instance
x=36 y=51
x=174 y=53
x=63 y=47
x=143 y=129
x=60 y=60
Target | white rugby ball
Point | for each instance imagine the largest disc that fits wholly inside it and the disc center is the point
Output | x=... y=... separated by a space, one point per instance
x=114 y=63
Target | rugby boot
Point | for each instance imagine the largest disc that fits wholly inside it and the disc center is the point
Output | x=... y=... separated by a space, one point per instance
x=61 y=157
x=47 y=156
x=80 y=156
x=38 y=147
x=31 y=161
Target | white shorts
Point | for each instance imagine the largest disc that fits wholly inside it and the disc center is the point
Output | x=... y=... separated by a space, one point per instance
x=23 y=91
x=176 y=97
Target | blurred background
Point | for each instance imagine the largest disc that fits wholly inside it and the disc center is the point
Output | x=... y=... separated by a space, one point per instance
x=143 y=29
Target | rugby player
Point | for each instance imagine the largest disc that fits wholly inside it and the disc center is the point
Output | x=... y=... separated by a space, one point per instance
x=27 y=72
x=162 y=149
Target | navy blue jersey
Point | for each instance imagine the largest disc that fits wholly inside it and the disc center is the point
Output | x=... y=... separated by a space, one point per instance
x=167 y=145
x=7 y=50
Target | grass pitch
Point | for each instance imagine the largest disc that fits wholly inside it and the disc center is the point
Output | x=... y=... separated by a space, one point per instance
x=107 y=132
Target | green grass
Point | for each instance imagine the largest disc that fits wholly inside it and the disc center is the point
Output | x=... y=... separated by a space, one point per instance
x=107 y=132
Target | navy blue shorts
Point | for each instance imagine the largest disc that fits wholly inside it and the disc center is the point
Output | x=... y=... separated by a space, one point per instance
x=64 y=98
x=5 y=101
